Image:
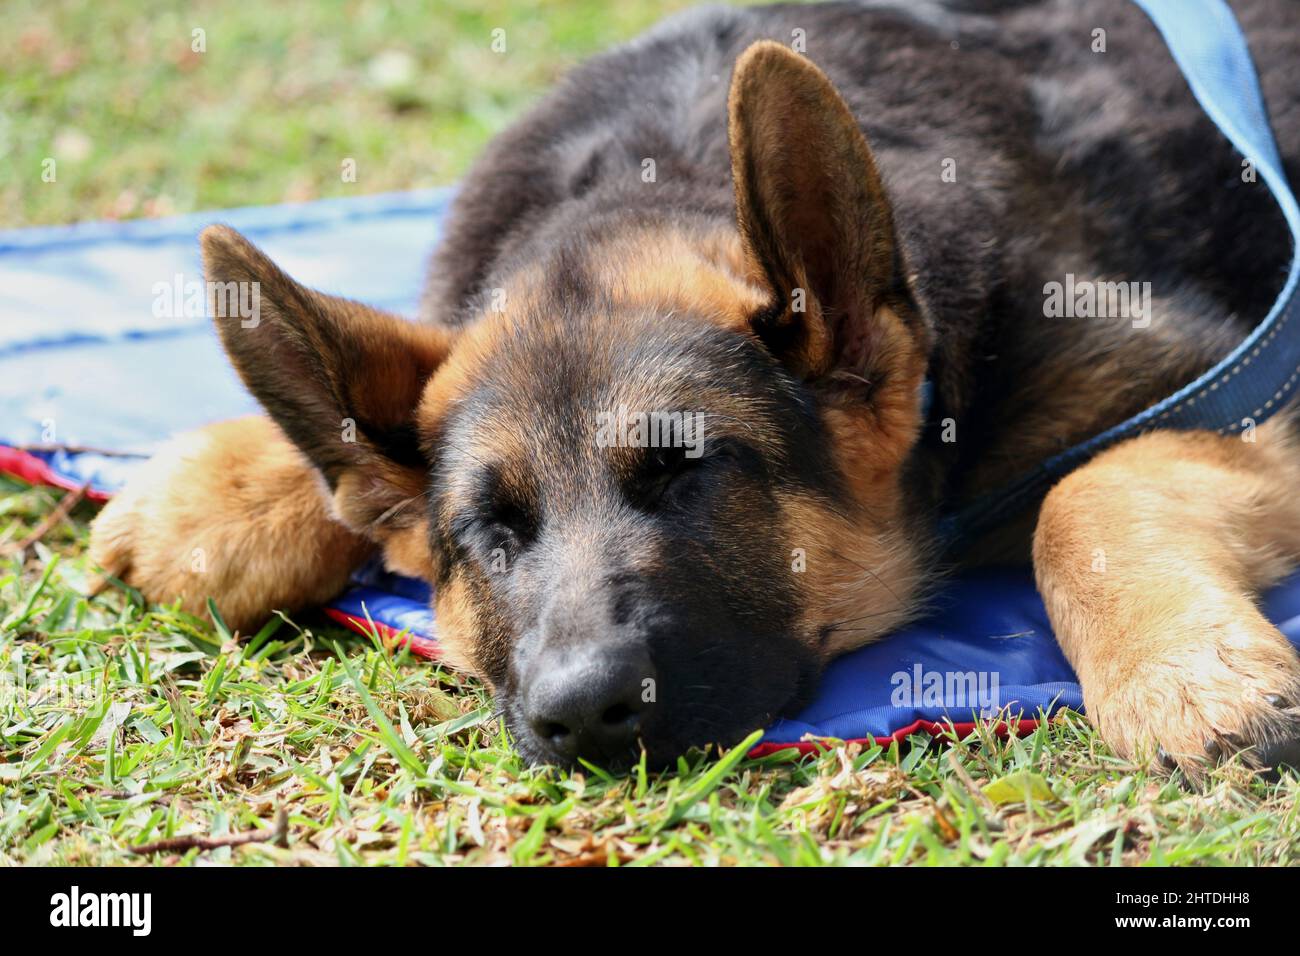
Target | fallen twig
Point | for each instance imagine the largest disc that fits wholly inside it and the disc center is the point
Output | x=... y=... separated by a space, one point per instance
x=196 y=841
x=51 y=520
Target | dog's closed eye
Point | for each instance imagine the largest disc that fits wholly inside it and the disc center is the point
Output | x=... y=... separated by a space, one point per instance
x=497 y=516
x=662 y=470
x=672 y=475
x=510 y=516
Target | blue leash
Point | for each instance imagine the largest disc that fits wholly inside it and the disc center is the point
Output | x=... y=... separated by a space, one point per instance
x=1259 y=375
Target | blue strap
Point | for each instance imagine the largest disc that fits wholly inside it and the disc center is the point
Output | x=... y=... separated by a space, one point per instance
x=1260 y=375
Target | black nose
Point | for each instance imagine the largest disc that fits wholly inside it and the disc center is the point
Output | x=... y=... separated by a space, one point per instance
x=589 y=702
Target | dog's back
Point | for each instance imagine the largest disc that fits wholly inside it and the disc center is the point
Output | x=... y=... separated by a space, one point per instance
x=1022 y=142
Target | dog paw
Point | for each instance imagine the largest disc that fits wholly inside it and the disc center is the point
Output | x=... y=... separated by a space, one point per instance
x=1199 y=694
x=230 y=512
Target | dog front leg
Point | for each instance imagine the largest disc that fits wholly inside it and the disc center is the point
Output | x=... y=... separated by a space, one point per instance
x=230 y=512
x=1150 y=559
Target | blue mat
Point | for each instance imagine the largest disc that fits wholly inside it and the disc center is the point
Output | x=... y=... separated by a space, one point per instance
x=98 y=348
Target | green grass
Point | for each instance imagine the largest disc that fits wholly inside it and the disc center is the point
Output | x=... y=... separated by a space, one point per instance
x=140 y=125
x=123 y=726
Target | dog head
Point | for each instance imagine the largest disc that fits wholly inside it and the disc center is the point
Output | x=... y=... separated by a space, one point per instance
x=657 y=483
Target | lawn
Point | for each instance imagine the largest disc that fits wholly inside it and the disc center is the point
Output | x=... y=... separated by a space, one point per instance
x=132 y=734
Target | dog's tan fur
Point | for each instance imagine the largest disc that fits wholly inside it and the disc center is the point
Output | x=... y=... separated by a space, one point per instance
x=263 y=538
x=1150 y=560
x=696 y=274
x=863 y=576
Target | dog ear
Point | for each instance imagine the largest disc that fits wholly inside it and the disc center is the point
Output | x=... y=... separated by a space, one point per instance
x=815 y=221
x=342 y=380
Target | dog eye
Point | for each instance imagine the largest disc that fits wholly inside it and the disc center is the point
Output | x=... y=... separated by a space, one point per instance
x=511 y=517
x=495 y=522
x=662 y=470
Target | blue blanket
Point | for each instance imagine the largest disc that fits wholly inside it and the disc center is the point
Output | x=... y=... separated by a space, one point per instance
x=101 y=346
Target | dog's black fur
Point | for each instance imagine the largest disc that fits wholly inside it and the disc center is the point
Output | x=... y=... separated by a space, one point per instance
x=1068 y=161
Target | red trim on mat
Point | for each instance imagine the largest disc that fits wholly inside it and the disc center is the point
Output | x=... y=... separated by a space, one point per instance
x=29 y=467
x=420 y=646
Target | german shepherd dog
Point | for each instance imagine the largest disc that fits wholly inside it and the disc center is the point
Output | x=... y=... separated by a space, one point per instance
x=775 y=230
